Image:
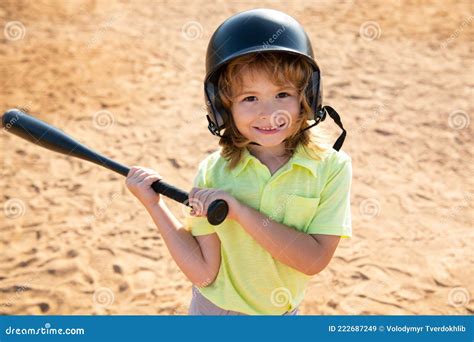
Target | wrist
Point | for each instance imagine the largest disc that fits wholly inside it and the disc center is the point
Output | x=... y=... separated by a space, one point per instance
x=234 y=208
x=155 y=205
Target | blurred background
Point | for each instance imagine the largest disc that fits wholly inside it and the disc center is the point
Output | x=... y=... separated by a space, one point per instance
x=125 y=78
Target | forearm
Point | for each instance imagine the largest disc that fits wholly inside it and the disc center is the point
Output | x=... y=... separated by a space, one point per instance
x=289 y=246
x=182 y=245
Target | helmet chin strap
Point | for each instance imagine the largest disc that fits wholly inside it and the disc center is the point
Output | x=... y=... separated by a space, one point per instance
x=337 y=119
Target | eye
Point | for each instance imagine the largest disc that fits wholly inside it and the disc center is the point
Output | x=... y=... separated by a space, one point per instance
x=250 y=99
x=283 y=95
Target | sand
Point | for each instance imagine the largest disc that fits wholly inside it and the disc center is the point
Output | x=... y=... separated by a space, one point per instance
x=126 y=79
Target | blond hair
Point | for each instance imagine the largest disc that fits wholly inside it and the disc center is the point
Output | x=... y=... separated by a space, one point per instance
x=281 y=68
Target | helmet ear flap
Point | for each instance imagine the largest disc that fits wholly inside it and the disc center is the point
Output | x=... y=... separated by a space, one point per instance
x=217 y=115
x=314 y=93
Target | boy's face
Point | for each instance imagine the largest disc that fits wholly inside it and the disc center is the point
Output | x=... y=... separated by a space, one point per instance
x=261 y=105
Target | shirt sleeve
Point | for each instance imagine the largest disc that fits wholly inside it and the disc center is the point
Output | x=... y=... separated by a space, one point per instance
x=199 y=225
x=333 y=214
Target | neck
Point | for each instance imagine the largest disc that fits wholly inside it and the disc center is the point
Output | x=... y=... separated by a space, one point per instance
x=265 y=154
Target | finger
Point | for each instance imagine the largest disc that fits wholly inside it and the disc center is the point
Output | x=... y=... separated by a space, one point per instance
x=207 y=197
x=149 y=180
x=192 y=193
x=192 y=200
x=148 y=172
x=137 y=173
x=132 y=171
x=153 y=173
x=197 y=201
x=141 y=175
x=202 y=196
x=132 y=176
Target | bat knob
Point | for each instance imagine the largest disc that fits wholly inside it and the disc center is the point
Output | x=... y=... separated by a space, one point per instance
x=217 y=212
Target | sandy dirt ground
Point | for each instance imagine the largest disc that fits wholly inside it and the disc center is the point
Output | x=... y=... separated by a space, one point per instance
x=126 y=79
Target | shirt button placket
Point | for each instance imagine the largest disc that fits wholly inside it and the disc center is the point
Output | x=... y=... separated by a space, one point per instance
x=265 y=200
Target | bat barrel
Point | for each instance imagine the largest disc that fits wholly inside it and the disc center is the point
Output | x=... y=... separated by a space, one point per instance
x=40 y=133
x=109 y=164
x=48 y=136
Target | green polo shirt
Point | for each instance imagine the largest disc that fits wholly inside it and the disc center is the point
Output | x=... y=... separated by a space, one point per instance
x=309 y=195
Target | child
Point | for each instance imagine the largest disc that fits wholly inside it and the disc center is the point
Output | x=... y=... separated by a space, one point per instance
x=288 y=192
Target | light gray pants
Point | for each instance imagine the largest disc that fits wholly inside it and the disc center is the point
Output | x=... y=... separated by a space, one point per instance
x=200 y=306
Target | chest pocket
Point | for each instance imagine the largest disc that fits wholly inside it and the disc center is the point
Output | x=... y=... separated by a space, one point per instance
x=300 y=211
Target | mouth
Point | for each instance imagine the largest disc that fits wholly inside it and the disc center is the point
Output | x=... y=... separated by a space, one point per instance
x=269 y=129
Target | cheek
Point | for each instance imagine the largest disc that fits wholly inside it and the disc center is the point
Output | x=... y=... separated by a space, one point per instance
x=294 y=108
x=243 y=117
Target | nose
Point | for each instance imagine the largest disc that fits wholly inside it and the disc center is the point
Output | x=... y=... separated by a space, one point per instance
x=267 y=108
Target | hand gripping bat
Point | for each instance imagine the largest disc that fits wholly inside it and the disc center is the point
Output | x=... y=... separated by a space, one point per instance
x=45 y=135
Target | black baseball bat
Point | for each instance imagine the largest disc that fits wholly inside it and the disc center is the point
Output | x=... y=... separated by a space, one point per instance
x=43 y=134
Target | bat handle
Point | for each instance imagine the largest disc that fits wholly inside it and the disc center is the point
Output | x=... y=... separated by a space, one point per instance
x=216 y=213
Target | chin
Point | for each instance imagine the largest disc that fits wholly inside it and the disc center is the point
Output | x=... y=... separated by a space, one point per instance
x=267 y=142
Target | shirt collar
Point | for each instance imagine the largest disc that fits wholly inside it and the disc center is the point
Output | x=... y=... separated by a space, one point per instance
x=244 y=160
x=300 y=157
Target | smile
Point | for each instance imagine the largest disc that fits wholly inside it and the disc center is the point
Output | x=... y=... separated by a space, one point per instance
x=269 y=130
